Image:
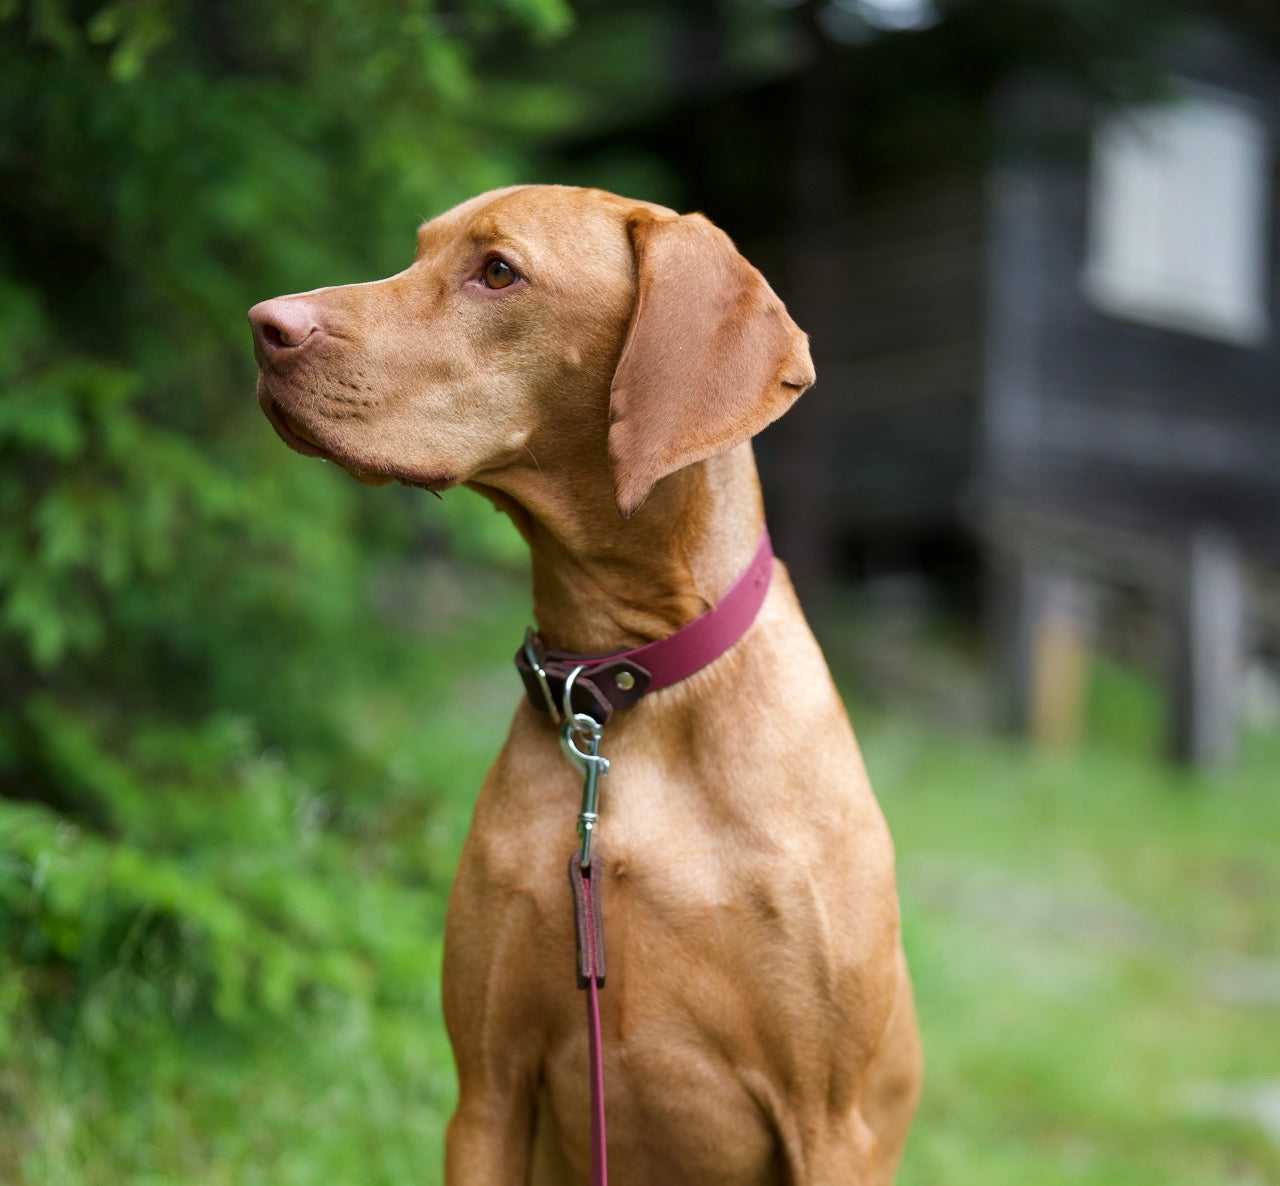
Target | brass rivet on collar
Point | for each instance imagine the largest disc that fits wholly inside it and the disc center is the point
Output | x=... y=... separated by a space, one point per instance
x=625 y=681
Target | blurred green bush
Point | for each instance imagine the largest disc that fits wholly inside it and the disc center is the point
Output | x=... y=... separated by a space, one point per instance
x=170 y=577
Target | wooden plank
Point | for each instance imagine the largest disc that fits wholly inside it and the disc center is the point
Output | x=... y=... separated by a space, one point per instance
x=1059 y=656
x=1209 y=613
x=1041 y=626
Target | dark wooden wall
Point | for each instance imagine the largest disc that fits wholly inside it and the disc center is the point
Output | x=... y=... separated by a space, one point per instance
x=882 y=447
x=1110 y=421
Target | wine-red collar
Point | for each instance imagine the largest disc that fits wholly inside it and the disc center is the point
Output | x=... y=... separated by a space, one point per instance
x=608 y=682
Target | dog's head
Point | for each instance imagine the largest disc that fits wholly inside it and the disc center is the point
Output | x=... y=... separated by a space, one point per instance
x=535 y=323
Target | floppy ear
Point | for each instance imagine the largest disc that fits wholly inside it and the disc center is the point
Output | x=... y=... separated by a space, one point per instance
x=711 y=356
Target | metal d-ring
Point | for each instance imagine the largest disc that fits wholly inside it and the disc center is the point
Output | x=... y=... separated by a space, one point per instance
x=566 y=696
x=531 y=657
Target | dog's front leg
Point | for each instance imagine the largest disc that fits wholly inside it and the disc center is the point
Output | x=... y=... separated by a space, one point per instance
x=493 y=1010
x=490 y=1136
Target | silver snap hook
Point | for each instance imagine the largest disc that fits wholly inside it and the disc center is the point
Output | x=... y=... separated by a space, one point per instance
x=580 y=741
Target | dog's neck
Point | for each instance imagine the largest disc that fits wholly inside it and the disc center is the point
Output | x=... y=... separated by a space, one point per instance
x=602 y=583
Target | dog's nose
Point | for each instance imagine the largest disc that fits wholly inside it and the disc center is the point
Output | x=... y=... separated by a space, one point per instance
x=281 y=327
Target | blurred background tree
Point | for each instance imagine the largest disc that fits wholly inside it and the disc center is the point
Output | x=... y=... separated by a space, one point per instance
x=176 y=596
x=237 y=741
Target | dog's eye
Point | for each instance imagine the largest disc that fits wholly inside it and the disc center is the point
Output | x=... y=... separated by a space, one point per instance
x=499 y=274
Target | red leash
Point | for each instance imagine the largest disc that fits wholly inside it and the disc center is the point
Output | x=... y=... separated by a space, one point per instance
x=599 y=1157
x=604 y=683
x=585 y=884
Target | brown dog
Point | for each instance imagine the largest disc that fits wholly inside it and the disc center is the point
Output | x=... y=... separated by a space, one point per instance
x=596 y=366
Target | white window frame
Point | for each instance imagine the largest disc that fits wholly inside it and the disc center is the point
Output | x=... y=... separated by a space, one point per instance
x=1179 y=208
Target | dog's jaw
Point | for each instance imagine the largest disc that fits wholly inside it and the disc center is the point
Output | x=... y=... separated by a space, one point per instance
x=298 y=437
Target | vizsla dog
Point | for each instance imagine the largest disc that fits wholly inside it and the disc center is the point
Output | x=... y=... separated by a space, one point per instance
x=595 y=366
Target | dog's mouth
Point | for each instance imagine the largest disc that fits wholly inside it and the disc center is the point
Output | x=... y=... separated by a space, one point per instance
x=297 y=436
x=292 y=432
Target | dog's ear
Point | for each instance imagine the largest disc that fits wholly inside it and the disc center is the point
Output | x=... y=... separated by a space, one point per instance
x=711 y=356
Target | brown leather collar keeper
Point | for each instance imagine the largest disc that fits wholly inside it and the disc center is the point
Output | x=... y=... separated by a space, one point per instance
x=609 y=682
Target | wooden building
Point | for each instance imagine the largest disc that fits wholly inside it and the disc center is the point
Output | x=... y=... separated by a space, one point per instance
x=1130 y=421
x=1060 y=373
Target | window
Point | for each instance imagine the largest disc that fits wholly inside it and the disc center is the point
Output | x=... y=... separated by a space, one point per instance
x=1178 y=214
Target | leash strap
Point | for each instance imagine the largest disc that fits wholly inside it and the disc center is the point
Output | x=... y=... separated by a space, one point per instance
x=585 y=884
x=590 y=937
x=605 y=683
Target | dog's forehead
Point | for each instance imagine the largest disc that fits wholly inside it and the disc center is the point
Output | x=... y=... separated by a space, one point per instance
x=539 y=218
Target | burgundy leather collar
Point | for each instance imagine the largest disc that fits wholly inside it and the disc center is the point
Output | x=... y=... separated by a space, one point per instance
x=609 y=682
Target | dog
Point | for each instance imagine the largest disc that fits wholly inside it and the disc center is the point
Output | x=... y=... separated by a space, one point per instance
x=596 y=366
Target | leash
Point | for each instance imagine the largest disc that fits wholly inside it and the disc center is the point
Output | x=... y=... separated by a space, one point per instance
x=590 y=936
x=580 y=740
x=581 y=693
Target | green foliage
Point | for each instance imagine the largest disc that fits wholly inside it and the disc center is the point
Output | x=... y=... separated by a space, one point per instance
x=235 y=970
x=172 y=582
x=195 y=838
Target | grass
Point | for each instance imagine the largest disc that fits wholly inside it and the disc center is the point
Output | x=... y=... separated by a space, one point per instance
x=1091 y=939
x=1095 y=942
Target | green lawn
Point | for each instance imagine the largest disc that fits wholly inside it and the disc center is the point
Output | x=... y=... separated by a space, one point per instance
x=1096 y=947
x=1095 y=942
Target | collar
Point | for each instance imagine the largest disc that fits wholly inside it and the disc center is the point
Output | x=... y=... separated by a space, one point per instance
x=608 y=682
